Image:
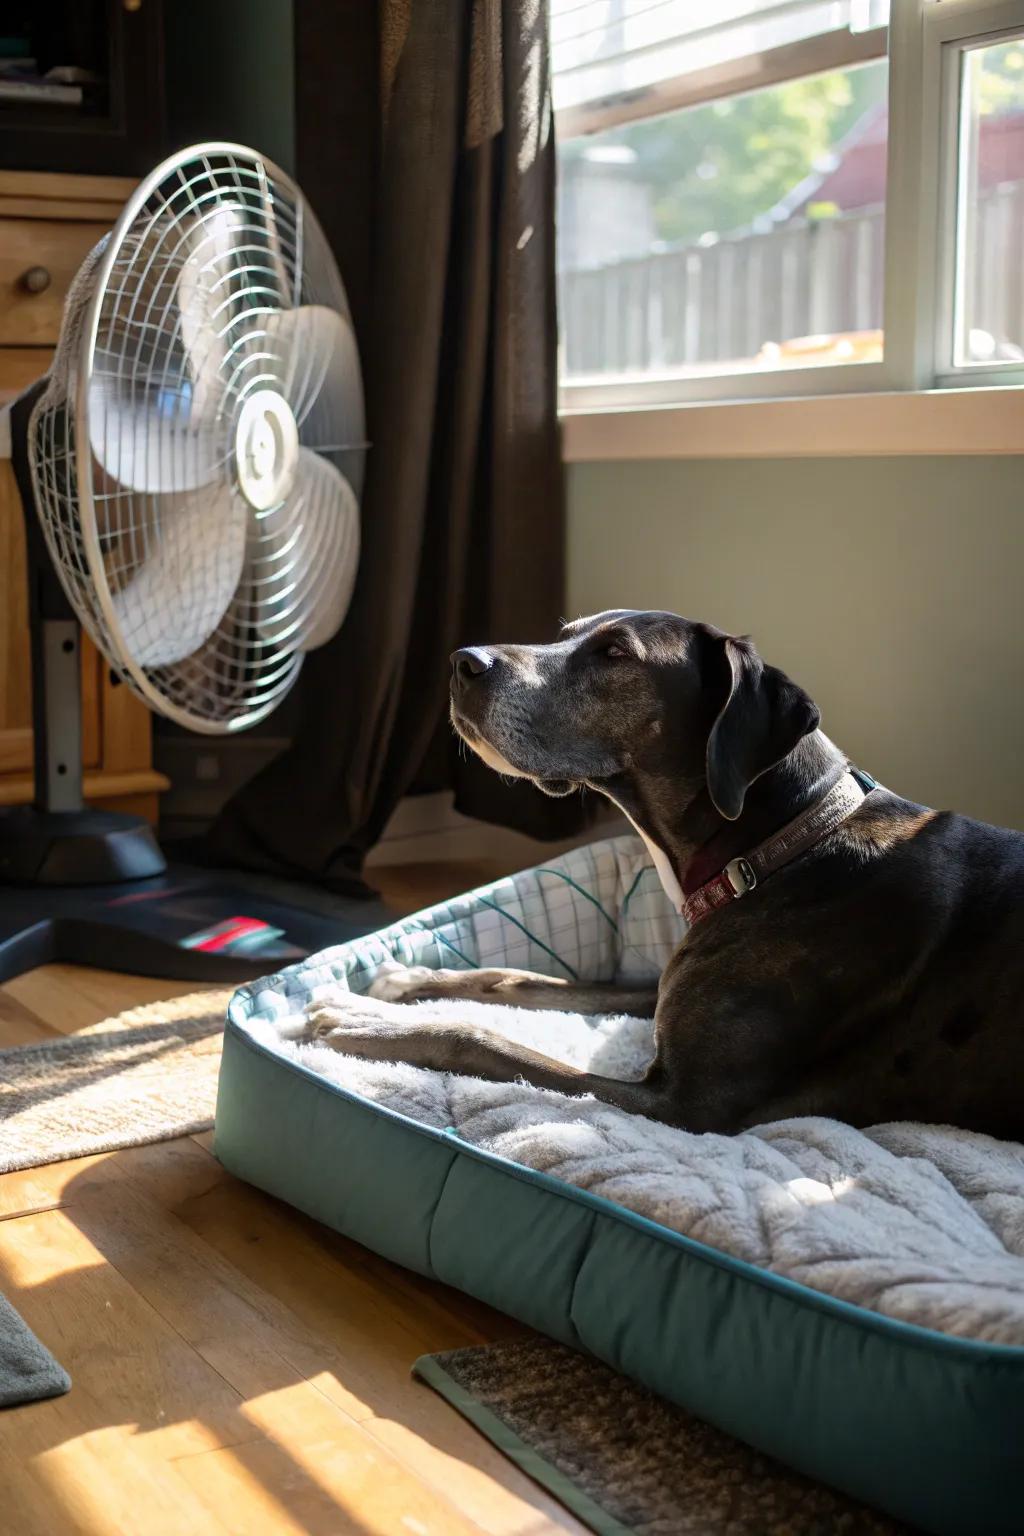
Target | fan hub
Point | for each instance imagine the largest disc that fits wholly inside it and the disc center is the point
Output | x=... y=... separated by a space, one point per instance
x=266 y=449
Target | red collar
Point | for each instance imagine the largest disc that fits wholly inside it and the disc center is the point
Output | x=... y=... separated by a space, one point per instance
x=740 y=876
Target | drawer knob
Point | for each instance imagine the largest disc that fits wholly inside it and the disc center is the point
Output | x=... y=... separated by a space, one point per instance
x=35 y=280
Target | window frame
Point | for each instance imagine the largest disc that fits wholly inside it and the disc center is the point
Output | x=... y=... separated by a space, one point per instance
x=926 y=41
x=953 y=49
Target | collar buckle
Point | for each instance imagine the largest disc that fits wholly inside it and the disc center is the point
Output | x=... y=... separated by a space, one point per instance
x=740 y=875
x=866 y=781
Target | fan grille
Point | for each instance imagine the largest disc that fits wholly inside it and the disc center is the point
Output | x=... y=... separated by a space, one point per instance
x=216 y=284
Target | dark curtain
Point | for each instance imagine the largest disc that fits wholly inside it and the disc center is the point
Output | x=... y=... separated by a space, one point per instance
x=453 y=293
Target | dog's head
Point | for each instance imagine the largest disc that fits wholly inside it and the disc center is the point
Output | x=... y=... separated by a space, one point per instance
x=625 y=695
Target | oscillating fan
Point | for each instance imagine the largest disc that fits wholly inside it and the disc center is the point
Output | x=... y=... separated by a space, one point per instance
x=191 y=470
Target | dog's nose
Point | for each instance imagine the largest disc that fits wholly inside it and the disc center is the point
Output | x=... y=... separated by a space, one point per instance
x=470 y=662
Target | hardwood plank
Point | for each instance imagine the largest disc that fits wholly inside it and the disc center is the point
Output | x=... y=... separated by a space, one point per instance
x=367 y=1336
x=318 y=1460
x=182 y=1174
x=91 y=1480
x=252 y=1343
x=20 y=1025
x=450 y=1454
x=129 y=1366
x=354 y=1347
x=233 y=1489
x=100 y=1459
x=183 y=1178
x=42 y=1189
x=71 y=997
x=278 y=1352
x=323 y=1480
x=357 y=1360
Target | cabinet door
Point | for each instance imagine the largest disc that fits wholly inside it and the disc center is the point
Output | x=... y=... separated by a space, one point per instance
x=15 y=673
x=39 y=259
x=15 y=664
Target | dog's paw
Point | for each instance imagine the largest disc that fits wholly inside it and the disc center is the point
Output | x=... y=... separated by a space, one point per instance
x=355 y=1018
x=323 y=1020
x=395 y=983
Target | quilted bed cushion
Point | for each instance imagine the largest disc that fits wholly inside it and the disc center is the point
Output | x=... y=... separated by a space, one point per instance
x=852 y=1302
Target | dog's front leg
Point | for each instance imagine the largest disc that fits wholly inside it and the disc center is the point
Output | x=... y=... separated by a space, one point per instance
x=369 y=1029
x=397 y=983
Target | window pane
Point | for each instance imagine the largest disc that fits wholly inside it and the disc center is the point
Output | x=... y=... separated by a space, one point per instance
x=989 y=325
x=745 y=233
x=609 y=48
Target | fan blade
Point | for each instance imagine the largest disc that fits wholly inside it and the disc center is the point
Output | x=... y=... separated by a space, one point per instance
x=314 y=355
x=154 y=441
x=304 y=562
x=205 y=291
x=159 y=435
x=192 y=561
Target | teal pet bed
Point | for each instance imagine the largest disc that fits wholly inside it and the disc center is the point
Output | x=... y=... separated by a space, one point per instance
x=850 y=1302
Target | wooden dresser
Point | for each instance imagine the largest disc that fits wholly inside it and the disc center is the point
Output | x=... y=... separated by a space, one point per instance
x=47 y=225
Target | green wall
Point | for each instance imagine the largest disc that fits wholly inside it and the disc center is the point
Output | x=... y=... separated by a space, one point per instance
x=230 y=69
x=891 y=588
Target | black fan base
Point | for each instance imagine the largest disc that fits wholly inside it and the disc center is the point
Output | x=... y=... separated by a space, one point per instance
x=184 y=925
x=83 y=847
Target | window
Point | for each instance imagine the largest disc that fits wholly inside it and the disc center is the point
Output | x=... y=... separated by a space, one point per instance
x=988 y=307
x=780 y=197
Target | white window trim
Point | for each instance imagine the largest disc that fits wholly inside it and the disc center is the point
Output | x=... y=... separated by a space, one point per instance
x=791 y=61
x=734 y=407
x=876 y=423
x=946 y=53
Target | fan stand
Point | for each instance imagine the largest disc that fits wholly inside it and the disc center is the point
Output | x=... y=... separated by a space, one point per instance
x=91 y=887
x=58 y=841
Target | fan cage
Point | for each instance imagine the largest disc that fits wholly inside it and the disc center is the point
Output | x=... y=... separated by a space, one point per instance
x=254 y=589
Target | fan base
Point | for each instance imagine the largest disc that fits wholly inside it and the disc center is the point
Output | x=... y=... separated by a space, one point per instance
x=183 y=925
x=76 y=848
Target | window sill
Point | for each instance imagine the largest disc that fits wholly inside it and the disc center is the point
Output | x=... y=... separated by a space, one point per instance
x=940 y=421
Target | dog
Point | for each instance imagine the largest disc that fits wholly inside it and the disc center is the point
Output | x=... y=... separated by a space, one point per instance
x=850 y=954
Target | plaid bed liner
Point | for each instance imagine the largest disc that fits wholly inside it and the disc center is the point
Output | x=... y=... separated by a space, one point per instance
x=595 y=914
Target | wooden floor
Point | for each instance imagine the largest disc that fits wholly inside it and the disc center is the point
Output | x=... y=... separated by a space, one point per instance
x=237 y=1368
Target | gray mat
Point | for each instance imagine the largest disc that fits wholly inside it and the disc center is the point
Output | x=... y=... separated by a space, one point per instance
x=623 y=1460
x=27 y=1370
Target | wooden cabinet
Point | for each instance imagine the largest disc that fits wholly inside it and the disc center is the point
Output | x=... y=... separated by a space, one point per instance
x=48 y=224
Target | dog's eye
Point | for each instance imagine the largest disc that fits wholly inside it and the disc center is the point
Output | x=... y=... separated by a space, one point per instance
x=613 y=650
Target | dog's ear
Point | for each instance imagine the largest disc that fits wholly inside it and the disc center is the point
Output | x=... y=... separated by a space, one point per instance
x=763 y=717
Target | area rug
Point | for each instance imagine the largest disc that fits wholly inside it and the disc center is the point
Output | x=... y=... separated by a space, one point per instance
x=623 y=1460
x=146 y=1075
x=27 y=1370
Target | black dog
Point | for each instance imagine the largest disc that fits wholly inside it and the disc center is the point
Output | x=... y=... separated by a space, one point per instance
x=850 y=953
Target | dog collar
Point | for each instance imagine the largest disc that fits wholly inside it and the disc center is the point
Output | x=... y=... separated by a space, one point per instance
x=742 y=875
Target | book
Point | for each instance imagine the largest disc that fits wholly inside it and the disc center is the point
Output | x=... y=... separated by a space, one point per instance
x=39 y=93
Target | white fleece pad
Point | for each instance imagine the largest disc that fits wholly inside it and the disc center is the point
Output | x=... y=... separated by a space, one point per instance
x=922 y=1223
